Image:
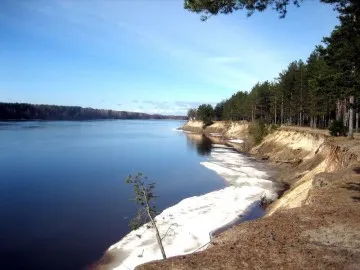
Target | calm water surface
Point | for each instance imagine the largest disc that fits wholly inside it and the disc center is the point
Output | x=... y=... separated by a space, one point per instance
x=63 y=200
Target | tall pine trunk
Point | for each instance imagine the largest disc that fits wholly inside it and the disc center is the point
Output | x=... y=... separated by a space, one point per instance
x=282 y=109
x=338 y=110
x=275 y=114
x=357 y=122
x=157 y=233
x=345 y=112
x=290 y=120
x=351 y=117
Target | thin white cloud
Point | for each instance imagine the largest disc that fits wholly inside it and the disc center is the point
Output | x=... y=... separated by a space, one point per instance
x=194 y=47
x=176 y=107
x=202 y=60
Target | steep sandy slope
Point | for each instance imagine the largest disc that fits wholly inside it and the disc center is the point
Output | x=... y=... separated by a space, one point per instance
x=314 y=225
x=308 y=154
x=193 y=127
x=226 y=129
x=233 y=133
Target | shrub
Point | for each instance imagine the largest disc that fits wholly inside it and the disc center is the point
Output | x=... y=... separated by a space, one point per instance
x=205 y=113
x=191 y=114
x=273 y=127
x=337 y=128
x=258 y=131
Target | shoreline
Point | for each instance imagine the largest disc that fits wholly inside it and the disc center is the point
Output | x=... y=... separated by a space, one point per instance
x=315 y=223
x=234 y=198
x=259 y=209
x=256 y=211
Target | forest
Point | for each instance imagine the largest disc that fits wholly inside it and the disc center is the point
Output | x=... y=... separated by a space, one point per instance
x=25 y=111
x=315 y=93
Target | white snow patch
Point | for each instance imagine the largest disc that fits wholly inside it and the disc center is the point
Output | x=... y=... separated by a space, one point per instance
x=214 y=145
x=193 y=219
x=236 y=141
x=215 y=134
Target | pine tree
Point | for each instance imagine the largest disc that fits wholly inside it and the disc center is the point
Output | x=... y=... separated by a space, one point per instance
x=144 y=196
x=342 y=54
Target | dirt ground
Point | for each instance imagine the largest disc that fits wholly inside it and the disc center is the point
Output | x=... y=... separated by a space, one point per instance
x=324 y=132
x=324 y=233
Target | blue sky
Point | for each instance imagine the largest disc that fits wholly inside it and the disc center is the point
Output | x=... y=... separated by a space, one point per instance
x=145 y=55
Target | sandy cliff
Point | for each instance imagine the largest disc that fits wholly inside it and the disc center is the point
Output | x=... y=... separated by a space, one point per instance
x=224 y=132
x=226 y=129
x=315 y=224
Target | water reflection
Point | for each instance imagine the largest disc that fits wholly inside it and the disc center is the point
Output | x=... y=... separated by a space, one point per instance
x=11 y=125
x=200 y=142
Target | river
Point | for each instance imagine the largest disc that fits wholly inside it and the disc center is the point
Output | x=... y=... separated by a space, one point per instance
x=63 y=199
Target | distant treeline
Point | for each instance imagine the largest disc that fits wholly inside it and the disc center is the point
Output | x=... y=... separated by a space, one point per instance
x=24 y=111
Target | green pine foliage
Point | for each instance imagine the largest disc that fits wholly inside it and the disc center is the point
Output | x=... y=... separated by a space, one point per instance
x=258 y=130
x=337 y=128
x=208 y=8
x=205 y=113
x=312 y=93
x=304 y=94
x=191 y=114
x=144 y=197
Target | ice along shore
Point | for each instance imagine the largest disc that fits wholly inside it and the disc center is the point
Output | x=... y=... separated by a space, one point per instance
x=188 y=226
